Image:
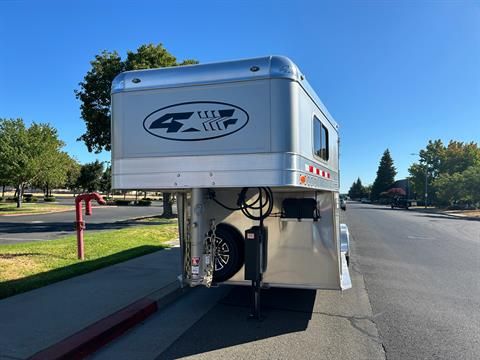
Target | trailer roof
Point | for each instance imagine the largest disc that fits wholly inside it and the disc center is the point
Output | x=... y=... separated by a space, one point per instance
x=267 y=67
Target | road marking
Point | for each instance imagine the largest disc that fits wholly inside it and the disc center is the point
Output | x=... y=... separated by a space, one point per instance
x=37 y=222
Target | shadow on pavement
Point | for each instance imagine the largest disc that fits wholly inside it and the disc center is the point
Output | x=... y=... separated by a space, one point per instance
x=284 y=310
x=445 y=217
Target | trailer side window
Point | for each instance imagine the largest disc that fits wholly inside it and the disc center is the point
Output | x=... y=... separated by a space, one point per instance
x=320 y=135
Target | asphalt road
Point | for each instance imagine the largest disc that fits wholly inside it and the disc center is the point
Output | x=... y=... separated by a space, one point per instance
x=416 y=295
x=14 y=229
x=422 y=275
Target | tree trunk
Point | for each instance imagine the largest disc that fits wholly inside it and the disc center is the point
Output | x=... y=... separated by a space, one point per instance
x=3 y=191
x=19 y=196
x=167 y=205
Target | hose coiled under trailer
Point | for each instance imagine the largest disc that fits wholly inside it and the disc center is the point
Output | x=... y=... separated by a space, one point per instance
x=263 y=203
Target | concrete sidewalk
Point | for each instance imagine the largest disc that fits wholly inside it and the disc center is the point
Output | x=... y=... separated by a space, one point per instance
x=36 y=320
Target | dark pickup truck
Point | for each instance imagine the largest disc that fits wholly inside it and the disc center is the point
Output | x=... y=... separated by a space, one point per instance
x=403 y=203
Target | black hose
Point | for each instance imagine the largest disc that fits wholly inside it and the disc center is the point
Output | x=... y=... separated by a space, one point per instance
x=264 y=201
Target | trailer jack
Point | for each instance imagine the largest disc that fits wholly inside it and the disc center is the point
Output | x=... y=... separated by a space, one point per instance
x=256 y=264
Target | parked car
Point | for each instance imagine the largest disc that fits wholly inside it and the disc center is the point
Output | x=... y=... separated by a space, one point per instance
x=343 y=204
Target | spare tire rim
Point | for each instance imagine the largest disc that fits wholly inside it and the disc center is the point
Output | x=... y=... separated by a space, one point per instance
x=222 y=254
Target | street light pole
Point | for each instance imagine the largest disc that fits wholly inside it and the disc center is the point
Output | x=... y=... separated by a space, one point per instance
x=426 y=180
x=426 y=185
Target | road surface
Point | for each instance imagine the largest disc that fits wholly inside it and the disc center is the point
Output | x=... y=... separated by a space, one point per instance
x=422 y=275
x=14 y=229
x=416 y=296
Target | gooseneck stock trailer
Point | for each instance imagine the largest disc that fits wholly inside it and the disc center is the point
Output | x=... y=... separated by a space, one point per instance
x=252 y=155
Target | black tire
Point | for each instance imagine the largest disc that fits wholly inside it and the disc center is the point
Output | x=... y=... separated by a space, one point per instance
x=230 y=252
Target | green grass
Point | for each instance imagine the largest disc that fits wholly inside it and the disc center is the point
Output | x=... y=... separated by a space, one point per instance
x=28 y=266
x=31 y=208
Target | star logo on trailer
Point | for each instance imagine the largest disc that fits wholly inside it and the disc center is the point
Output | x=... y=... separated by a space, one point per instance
x=196 y=121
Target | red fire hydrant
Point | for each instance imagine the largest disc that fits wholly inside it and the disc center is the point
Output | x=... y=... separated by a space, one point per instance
x=79 y=223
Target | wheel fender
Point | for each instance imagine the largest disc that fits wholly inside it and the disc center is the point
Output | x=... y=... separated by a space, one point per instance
x=344 y=239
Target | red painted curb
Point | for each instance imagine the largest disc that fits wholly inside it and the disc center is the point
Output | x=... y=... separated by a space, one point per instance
x=93 y=337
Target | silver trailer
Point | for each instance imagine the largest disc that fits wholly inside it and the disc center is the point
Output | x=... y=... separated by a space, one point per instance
x=252 y=155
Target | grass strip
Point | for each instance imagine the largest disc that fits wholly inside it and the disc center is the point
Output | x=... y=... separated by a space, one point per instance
x=27 y=266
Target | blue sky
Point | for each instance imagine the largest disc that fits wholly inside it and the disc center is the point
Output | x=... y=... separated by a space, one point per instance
x=394 y=74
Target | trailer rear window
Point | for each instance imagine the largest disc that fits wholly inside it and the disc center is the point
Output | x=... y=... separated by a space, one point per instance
x=320 y=135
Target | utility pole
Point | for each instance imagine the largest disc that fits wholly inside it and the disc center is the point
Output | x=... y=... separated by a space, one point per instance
x=426 y=180
x=426 y=184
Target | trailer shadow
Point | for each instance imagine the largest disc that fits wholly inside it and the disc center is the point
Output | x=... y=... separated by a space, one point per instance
x=284 y=311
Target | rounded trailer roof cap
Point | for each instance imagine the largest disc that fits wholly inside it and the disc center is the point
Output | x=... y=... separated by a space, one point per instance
x=208 y=73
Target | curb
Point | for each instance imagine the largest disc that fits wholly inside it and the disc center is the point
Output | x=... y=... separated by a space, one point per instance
x=95 y=336
x=448 y=214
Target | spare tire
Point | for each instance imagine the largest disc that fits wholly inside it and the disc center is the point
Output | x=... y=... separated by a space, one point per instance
x=229 y=252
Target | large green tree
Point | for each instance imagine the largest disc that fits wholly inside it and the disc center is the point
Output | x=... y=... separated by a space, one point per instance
x=459 y=188
x=90 y=177
x=54 y=172
x=25 y=152
x=94 y=92
x=73 y=172
x=438 y=160
x=385 y=176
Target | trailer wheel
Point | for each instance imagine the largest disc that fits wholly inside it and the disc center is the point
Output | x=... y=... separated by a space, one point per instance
x=230 y=252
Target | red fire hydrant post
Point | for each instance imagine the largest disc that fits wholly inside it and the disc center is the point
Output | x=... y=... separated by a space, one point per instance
x=79 y=222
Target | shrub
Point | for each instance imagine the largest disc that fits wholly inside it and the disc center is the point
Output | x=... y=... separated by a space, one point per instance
x=1 y=198
x=31 y=199
x=11 y=199
x=122 y=202
x=49 y=199
x=144 y=202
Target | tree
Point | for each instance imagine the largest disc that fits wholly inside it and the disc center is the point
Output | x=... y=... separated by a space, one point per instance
x=24 y=152
x=385 y=176
x=106 y=181
x=90 y=176
x=72 y=175
x=472 y=184
x=54 y=172
x=357 y=190
x=94 y=92
x=459 y=187
x=439 y=160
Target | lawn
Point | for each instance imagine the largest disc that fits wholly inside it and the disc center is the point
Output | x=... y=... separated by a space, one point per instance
x=27 y=266
x=31 y=208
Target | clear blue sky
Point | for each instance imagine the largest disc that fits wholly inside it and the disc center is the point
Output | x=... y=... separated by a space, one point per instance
x=393 y=73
